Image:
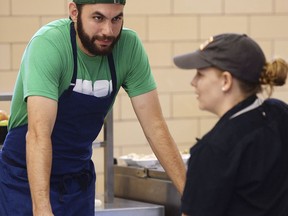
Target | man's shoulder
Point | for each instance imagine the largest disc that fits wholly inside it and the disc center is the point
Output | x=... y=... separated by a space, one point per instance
x=129 y=43
x=130 y=32
x=57 y=28
x=55 y=34
x=129 y=35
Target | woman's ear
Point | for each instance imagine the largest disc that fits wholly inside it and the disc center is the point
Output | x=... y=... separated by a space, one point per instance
x=226 y=81
x=73 y=12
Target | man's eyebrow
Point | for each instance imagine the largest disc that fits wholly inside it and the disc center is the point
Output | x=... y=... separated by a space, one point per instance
x=100 y=14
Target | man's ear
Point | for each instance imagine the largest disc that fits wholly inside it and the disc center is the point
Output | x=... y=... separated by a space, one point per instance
x=73 y=11
x=227 y=81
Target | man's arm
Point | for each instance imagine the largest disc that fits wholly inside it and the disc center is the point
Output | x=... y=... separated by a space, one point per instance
x=41 y=118
x=149 y=113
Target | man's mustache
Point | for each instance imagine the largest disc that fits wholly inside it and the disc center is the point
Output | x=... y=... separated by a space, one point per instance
x=102 y=38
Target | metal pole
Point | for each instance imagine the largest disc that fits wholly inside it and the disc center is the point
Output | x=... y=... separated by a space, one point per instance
x=108 y=159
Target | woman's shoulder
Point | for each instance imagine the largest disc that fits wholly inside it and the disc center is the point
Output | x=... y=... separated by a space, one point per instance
x=276 y=104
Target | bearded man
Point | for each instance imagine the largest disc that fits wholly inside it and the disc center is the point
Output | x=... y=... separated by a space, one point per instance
x=70 y=74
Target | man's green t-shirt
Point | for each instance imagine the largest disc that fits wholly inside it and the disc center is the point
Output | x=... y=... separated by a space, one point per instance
x=47 y=68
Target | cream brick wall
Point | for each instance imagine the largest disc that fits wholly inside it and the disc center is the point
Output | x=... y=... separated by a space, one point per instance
x=167 y=28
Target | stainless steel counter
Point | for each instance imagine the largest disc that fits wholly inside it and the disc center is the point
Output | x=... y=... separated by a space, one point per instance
x=123 y=207
x=147 y=185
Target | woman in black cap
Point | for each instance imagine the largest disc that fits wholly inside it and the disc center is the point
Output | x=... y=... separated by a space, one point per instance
x=240 y=167
x=70 y=75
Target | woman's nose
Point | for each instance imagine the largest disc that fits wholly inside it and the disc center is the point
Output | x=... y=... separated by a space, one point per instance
x=193 y=82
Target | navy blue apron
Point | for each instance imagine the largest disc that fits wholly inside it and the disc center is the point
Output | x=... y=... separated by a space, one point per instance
x=79 y=120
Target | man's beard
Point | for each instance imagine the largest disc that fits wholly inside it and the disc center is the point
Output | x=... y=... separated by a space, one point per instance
x=89 y=42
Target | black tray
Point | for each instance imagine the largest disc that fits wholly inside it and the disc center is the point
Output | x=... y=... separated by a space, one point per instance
x=3 y=133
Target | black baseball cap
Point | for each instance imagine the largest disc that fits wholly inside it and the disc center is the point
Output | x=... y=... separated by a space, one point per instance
x=236 y=53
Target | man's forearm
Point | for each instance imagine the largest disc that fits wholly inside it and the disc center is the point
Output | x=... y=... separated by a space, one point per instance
x=39 y=160
x=168 y=155
x=148 y=111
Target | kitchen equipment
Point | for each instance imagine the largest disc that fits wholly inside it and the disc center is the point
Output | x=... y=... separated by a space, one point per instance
x=147 y=185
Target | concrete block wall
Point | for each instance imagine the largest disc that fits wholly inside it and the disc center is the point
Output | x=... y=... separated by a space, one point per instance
x=167 y=28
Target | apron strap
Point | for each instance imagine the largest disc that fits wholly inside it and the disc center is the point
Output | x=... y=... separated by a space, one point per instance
x=74 y=50
x=113 y=73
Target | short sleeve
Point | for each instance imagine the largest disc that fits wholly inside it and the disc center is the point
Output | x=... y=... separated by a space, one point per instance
x=41 y=69
x=139 y=78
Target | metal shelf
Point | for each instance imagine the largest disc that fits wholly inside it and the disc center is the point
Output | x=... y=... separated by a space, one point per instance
x=5 y=96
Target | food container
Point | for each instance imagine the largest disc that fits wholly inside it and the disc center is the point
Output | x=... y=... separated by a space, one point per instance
x=146 y=161
x=185 y=158
x=152 y=163
x=128 y=160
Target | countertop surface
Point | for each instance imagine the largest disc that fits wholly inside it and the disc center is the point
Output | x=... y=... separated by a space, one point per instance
x=125 y=207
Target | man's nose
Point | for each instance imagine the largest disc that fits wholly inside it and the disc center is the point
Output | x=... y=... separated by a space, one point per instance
x=107 y=29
